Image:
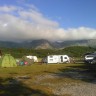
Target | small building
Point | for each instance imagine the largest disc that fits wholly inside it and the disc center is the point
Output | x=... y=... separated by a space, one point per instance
x=57 y=59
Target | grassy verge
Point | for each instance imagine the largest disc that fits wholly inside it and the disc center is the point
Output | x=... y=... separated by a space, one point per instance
x=33 y=80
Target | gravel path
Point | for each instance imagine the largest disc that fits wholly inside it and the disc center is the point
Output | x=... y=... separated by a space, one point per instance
x=86 y=89
x=72 y=89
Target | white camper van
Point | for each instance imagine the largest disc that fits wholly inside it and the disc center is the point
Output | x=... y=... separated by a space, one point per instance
x=58 y=59
x=35 y=59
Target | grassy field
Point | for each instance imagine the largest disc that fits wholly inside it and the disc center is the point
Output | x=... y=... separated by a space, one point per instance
x=34 y=69
x=35 y=80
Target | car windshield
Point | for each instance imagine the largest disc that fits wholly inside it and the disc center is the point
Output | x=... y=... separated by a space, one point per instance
x=90 y=55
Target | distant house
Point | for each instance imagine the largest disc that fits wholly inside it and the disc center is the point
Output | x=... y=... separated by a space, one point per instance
x=57 y=59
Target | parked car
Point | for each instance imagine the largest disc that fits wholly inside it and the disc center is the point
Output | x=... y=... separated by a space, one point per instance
x=93 y=61
x=90 y=58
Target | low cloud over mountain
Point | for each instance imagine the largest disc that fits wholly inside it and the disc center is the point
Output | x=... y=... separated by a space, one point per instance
x=45 y=44
x=20 y=24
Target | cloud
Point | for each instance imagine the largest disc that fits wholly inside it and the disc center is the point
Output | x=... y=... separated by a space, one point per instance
x=21 y=1
x=37 y=18
x=32 y=7
x=20 y=24
x=79 y=33
x=7 y=8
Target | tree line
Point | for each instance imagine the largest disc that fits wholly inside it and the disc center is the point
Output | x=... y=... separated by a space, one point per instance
x=72 y=51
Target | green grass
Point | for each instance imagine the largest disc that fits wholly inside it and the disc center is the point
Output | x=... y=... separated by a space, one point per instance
x=29 y=86
x=34 y=69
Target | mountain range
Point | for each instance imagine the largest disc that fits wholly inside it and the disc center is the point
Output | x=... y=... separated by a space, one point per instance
x=45 y=44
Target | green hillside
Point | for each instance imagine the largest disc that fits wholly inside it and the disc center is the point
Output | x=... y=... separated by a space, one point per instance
x=75 y=51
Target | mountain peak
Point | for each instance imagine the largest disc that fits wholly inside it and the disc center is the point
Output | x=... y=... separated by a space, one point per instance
x=45 y=44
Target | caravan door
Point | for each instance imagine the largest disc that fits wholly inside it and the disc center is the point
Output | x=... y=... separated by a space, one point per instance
x=61 y=59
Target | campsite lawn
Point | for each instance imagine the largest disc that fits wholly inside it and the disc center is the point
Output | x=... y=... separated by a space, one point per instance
x=35 y=80
x=34 y=69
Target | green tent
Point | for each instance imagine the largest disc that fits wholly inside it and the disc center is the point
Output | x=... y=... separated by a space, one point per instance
x=8 y=61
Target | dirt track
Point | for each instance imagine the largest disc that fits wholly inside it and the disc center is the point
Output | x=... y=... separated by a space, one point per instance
x=83 y=88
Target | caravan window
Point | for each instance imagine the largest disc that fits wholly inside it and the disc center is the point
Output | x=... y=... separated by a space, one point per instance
x=51 y=56
x=65 y=57
x=51 y=59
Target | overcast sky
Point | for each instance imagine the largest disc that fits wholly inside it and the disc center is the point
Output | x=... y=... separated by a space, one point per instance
x=22 y=20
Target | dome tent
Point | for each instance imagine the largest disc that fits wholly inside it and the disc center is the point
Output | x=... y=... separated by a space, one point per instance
x=8 y=61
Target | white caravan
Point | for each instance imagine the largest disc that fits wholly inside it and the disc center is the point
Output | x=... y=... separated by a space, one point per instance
x=33 y=57
x=58 y=59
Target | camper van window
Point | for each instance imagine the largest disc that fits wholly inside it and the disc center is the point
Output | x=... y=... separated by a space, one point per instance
x=51 y=59
x=65 y=57
x=51 y=56
x=90 y=56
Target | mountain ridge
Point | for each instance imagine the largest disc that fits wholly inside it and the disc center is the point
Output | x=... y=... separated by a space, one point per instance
x=45 y=44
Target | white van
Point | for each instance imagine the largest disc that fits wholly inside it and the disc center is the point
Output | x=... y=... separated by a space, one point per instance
x=35 y=59
x=58 y=59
